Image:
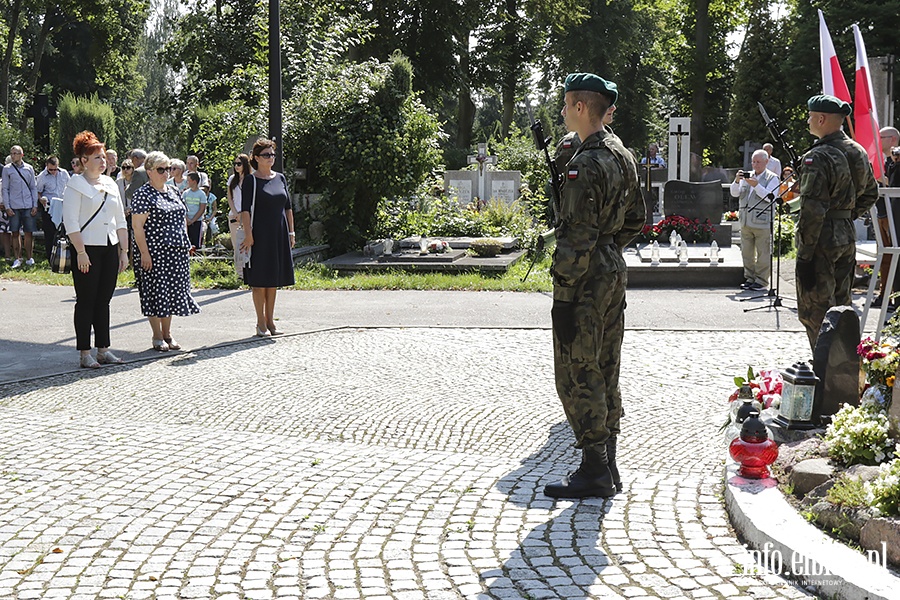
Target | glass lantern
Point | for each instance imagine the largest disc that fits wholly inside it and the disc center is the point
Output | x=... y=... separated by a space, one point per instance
x=797 y=397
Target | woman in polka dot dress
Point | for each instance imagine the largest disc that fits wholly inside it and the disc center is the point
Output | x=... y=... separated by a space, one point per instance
x=161 y=248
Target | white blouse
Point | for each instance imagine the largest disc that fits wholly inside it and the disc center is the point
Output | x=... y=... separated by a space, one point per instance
x=82 y=199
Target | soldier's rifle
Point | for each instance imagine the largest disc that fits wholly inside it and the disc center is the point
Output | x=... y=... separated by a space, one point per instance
x=542 y=143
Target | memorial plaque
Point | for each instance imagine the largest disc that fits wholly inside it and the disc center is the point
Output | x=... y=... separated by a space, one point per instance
x=701 y=201
x=460 y=185
x=505 y=185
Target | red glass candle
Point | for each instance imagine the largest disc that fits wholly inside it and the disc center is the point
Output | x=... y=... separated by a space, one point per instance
x=753 y=449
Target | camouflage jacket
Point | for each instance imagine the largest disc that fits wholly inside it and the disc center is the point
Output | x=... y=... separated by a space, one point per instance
x=601 y=197
x=825 y=185
x=860 y=171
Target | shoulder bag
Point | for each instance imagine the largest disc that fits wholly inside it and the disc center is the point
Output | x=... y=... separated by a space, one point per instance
x=61 y=256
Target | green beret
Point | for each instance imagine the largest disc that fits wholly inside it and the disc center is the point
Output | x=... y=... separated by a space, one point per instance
x=825 y=103
x=588 y=82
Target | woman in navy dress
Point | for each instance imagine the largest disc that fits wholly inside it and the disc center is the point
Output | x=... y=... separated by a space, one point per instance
x=268 y=234
x=161 y=244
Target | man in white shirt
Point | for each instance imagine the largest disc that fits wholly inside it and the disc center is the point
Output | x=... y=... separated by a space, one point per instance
x=774 y=164
x=753 y=189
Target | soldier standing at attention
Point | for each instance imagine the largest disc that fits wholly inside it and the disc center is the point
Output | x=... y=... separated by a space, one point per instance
x=601 y=211
x=836 y=186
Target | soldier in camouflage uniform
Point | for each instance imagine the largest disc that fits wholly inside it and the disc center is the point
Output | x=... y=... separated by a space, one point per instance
x=569 y=144
x=600 y=213
x=837 y=185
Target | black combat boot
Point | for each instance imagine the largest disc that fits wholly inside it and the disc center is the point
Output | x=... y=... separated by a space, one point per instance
x=591 y=479
x=611 y=455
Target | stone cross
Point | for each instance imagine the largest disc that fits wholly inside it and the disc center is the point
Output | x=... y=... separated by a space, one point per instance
x=680 y=148
x=481 y=158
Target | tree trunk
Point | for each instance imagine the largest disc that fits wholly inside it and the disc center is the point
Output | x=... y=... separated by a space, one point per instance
x=466 y=110
x=40 y=46
x=7 y=56
x=698 y=101
x=508 y=85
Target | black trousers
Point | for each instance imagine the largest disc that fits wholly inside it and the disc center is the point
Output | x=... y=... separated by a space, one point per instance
x=93 y=291
x=49 y=229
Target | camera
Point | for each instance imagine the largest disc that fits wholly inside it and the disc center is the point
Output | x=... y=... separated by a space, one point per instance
x=746 y=174
x=895 y=151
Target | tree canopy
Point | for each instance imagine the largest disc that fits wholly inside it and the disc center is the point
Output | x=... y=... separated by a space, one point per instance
x=166 y=65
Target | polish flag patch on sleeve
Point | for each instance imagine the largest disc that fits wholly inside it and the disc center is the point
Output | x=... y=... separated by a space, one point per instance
x=573 y=173
x=808 y=160
x=567 y=144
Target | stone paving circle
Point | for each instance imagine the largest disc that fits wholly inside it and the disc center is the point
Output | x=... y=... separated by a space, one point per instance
x=372 y=463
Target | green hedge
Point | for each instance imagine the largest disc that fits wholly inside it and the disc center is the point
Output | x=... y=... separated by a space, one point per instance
x=80 y=114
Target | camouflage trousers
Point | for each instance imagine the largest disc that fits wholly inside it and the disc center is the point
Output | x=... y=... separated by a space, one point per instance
x=587 y=370
x=834 y=277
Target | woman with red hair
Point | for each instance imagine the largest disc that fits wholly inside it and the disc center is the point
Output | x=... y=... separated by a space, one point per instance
x=94 y=216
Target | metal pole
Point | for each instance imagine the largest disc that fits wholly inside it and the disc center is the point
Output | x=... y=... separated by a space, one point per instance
x=275 y=121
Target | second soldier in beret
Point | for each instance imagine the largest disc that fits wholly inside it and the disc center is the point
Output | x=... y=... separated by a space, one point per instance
x=601 y=211
x=837 y=185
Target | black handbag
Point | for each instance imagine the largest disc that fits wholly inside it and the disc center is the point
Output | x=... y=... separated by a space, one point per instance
x=62 y=256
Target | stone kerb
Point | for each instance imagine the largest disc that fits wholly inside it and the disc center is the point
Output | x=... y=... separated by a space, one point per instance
x=772 y=528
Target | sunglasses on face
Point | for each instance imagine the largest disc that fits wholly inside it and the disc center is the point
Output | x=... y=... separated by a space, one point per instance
x=53 y=170
x=238 y=164
x=162 y=170
x=267 y=155
x=127 y=168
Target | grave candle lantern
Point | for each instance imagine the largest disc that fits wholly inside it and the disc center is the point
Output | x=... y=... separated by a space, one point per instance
x=423 y=245
x=797 y=396
x=714 y=254
x=654 y=254
x=753 y=449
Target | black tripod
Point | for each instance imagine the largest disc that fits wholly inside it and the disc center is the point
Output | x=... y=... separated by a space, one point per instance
x=775 y=299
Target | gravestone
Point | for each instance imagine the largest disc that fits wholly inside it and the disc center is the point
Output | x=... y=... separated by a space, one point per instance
x=461 y=185
x=693 y=200
x=504 y=185
x=836 y=362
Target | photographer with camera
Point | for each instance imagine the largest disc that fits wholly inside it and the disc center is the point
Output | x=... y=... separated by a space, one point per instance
x=755 y=190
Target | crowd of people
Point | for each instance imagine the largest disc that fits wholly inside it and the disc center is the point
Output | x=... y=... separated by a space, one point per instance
x=151 y=213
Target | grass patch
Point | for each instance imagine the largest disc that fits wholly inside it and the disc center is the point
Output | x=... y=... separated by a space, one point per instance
x=848 y=492
x=219 y=274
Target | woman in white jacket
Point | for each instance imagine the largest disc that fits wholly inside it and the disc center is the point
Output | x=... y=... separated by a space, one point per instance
x=94 y=216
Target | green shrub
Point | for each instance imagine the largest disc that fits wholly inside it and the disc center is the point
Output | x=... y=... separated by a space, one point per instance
x=784 y=242
x=222 y=131
x=486 y=247
x=365 y=137
x=80 y=114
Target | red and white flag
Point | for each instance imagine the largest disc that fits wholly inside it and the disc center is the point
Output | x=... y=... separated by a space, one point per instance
x=833 y=81
x=865 y=115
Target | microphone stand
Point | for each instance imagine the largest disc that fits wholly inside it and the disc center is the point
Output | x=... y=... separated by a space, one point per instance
x=775 y=299
x=778 y=134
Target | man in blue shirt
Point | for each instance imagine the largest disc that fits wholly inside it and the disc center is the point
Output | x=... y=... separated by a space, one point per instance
x=655 y=160
x=20 y=200
x=51 y=182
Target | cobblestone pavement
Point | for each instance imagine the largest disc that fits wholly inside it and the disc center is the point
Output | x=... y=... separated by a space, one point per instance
x=372 y=463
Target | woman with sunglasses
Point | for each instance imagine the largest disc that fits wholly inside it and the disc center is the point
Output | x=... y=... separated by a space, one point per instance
x=159 y=218
x=241 y=169
x=268 y=234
